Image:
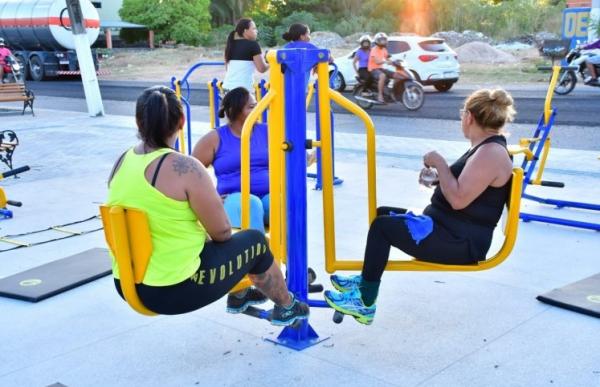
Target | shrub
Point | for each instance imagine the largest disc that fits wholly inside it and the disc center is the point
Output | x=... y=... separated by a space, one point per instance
x=184 y=21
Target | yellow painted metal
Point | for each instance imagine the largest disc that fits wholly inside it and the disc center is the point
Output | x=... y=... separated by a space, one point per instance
x=550 y=94
x=510 y=237
x=3 y=199
x=277 y=164
x=127 y=234
x=325 y=96
x=245 y=155
x=181 y=134
x=311 y=91
x=211 y=105
x=371 y=155
x=540 y=171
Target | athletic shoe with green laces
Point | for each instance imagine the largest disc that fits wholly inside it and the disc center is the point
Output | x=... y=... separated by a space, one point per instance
x=285 y=316
x=350 y=303
x=345 y=283
x=237 y=304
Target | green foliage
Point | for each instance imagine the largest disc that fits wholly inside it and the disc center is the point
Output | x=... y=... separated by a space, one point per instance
x=183 y=21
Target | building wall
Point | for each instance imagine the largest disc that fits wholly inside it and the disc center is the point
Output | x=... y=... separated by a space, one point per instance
x=579 y=3
x=110 y=9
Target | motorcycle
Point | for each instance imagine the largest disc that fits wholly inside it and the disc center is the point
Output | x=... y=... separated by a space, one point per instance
x=402 y=87
x=567 y=78
x=13 y=71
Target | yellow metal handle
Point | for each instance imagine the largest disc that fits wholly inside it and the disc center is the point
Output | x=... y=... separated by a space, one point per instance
x=550 y=94
x=211 y=105
x=181 y=135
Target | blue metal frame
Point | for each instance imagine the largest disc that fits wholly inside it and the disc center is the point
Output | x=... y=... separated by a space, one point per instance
x=529 y=166
x=185 y=100
x=297 y=63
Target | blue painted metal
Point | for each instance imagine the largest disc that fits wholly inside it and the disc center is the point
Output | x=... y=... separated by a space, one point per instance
x=297 y=63
x=559 y=221
x=263 y=92
x=318 y=304
x=529 y=166
x=5 y=214
x=217 y=101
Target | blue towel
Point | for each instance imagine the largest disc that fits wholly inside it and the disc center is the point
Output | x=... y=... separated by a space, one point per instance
x=419 y=226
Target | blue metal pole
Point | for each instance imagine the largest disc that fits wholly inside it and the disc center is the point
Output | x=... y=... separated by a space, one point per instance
x=297 y=63
x=217 y=100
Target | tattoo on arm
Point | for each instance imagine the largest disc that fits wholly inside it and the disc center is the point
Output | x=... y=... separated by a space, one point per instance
x=183 y=165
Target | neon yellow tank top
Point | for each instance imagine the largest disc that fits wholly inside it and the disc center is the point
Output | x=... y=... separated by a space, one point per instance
x=177 y=235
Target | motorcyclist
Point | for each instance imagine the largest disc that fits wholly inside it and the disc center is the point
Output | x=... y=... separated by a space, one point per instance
x=360 y=62
x=591 y=63
x=4 y=53
x=378 y=57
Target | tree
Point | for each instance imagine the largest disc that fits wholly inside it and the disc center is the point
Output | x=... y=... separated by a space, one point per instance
x=184 y=21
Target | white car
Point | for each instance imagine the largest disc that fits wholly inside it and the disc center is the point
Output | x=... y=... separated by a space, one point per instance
x=431 y=60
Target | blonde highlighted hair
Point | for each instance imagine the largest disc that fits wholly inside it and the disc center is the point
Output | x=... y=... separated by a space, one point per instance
x=491 y=108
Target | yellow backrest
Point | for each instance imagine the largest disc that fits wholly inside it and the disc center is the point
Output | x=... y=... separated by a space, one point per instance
x=510 y=236
x=128 y=236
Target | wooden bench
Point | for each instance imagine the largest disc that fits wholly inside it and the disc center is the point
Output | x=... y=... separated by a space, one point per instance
x=13 y=92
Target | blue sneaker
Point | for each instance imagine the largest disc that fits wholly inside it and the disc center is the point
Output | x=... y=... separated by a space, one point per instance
x=345 y=283
x=351 y=304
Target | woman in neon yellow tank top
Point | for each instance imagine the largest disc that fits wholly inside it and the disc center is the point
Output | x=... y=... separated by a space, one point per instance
x=195 y=260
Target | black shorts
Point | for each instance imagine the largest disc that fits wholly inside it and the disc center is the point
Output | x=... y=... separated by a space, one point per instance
x=222 y=266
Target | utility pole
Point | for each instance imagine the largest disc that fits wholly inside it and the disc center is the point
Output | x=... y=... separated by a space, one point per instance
x=86 y=61
x=594 y=34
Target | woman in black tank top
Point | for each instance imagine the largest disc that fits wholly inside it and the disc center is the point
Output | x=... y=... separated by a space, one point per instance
x=465 y=207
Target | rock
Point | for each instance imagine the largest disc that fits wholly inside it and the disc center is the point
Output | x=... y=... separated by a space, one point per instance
x=326 y=39
x=457 y=39
x=480 y=52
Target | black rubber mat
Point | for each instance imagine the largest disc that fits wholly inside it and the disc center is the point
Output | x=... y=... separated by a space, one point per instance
x=53 y=278
x=581 y=296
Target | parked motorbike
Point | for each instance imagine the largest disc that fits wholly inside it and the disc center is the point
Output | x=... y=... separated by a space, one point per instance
x=402 y=87
x=13 y=71
x=567 y=78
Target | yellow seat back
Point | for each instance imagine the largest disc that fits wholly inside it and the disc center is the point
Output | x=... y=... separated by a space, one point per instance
x=128 y=236
x=510 y=236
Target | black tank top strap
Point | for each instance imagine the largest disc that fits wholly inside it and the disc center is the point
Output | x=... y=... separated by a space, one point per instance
x=498 y=139
x=162 y=158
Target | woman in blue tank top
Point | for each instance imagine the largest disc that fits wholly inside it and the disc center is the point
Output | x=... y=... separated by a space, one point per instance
x=457 y=227
x=221 y=148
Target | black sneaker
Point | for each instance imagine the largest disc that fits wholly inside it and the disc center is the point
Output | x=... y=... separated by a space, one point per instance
x=236 y=304
x=283 y=316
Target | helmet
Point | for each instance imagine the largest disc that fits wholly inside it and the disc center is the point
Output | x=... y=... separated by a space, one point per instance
x=364 y=38
x=380 y=39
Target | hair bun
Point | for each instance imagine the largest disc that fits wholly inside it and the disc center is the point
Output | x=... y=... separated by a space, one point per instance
x=501 y=97
x=286 y=36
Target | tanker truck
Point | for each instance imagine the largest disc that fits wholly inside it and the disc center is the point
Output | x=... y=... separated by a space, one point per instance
x=39 y=34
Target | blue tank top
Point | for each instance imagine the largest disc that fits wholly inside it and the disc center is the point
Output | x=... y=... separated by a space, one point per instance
x=363 y=58
x=227 y=162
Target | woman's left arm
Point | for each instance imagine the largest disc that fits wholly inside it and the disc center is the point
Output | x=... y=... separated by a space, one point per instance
x=484 y=168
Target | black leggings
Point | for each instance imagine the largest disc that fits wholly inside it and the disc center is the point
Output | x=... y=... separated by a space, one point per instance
x=441 y=246
x=222 y=266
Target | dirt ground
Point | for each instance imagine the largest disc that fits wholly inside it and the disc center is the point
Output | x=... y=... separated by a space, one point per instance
x=163 y=63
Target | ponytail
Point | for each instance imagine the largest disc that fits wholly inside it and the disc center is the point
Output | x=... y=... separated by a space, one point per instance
x=158 y=113
x=241 y=26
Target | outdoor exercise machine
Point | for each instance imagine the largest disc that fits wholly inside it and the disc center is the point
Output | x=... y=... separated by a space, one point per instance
x=535 y=150
x=128 y=234
x=4 y=212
